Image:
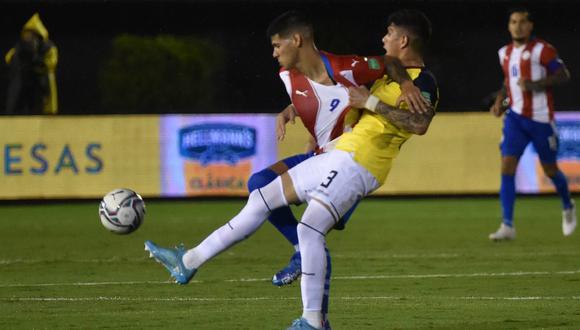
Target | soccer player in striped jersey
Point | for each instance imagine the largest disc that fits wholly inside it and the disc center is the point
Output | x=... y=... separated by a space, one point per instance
x=334 y=181
x=317 y=83
x=531 y=67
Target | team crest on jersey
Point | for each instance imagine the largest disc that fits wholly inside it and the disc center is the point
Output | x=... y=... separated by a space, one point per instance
x=526 y=55
x=426 y=96
x=374 y=64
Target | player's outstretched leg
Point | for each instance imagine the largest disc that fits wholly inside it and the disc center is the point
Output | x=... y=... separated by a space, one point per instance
x=283 y=219
x=183 y=264
x=172 y=259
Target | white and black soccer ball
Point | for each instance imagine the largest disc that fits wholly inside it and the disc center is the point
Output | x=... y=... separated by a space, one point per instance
x=122 y=211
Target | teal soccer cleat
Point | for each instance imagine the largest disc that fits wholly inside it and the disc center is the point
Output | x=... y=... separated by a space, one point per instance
x=301 y=324
x=290 y=273
x=172 y=260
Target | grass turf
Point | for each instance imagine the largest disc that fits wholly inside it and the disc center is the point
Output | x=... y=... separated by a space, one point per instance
x=400 y=264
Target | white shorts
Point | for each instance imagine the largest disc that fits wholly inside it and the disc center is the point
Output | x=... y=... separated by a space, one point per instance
x=333 y=178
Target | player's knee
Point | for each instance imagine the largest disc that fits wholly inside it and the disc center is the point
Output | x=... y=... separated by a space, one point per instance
x=307 y=234
x=509 y=165
x=270 y=195
x=260 y=179
x=551 y=170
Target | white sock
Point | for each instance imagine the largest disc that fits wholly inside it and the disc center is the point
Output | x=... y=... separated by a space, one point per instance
x=316 y=222
x=314 y=318
x=251 y=217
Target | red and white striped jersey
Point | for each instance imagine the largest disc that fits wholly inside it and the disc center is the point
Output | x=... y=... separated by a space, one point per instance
x=323 y=108
x=532 y=61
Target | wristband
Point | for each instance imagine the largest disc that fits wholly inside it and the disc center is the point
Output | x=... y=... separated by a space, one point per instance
x=372 y=103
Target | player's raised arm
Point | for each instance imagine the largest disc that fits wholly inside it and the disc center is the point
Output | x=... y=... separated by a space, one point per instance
x=416 y=123
x=410 y=93
x=287 y=115
x=368 y=69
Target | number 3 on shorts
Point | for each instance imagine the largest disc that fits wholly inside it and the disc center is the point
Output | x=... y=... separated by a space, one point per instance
x=330 y=177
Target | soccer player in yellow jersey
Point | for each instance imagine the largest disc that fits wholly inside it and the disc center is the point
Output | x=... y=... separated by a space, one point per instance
x=382 y=127
x=334 y=181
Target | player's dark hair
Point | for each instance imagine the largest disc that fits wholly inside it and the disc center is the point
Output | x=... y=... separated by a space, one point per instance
x=416 y=23
x=290 y=22
x=522 y=10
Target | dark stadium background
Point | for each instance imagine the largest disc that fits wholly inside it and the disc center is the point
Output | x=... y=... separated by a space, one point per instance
x=466 y=36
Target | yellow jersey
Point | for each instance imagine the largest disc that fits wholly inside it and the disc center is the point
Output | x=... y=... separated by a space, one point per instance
x=374 y=141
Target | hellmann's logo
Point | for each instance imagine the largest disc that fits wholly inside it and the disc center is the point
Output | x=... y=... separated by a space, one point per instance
x=217 y=142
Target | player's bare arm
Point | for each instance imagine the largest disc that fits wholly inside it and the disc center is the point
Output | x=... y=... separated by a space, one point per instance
x=287 y=115
x=557 y=78
x=498 y=107
x=416 y=123
x=410 y=93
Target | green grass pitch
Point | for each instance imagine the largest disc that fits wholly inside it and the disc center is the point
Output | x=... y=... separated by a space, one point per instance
x=400 y=264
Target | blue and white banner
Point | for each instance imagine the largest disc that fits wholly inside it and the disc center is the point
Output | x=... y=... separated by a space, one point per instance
x=214 y=154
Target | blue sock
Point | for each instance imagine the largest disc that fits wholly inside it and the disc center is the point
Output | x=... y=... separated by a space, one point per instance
x=507 y=195
x=282 y=218
x=561 y=184
x=325 y=298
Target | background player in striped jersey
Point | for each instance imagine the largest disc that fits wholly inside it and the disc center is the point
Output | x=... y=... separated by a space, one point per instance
x=531 y=67
x=317 y=83
x=334 y=181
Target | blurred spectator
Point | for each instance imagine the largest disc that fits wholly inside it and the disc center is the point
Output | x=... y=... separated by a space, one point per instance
x=32 y=65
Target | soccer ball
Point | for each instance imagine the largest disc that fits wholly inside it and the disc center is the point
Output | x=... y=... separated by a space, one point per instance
x=122 y=211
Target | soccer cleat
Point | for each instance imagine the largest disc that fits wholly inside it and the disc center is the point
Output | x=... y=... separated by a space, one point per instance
x=172 y=260
x=290 y=273
x=569 y=220
x=504 y=233
x=301 y=324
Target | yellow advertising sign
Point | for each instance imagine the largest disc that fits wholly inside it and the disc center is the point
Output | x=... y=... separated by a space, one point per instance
x=78 y=157
x=459 y=154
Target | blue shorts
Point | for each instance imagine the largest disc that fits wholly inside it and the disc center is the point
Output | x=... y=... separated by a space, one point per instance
x=518 y=131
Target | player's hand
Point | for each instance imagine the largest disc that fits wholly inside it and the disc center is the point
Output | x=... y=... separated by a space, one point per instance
x=288 y=115
x=497 y=108
x=494 y=110
x=411 y=95
x=357 y=96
